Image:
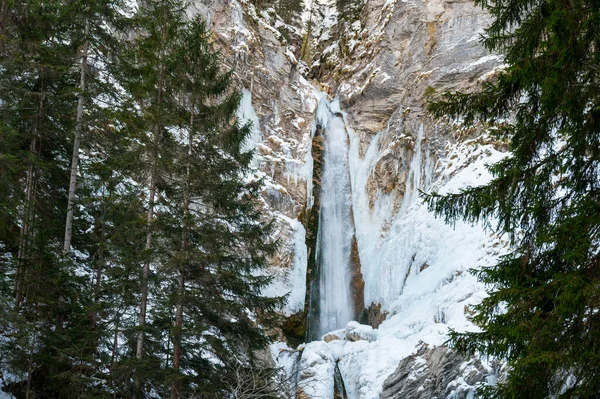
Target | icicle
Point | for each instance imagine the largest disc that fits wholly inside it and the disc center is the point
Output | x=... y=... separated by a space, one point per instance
x=414 y=182
x=247 y=114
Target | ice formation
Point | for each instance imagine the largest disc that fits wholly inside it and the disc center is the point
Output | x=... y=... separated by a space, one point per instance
x=413 y=263
x=334 y=239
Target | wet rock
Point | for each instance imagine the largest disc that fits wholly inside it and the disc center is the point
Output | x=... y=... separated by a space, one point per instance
x=435 y=373
x=373 y=315
x=330 y=337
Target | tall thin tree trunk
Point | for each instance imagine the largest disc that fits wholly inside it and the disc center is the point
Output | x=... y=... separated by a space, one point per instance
x=25 y=227
x=167 y=362
x=113 y=354
x=184 y=246
x=177 y=338
x=76 y=144
x=99 y=266
x=29 y=206
x=151 y=204
x=3 y=8
x=150 y=215
x=29 y=371
x=147 y=247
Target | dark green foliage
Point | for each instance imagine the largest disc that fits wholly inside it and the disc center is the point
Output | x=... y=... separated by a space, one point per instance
x=36 y=104
x=349 y=10
x=157 y=108
x=289 y=10
x=542 y=313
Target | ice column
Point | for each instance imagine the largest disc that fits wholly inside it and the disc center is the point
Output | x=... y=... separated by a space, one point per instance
x=336 y=229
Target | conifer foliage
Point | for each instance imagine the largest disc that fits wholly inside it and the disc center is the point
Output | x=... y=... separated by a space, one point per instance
x=543 y=312
x=132 y=247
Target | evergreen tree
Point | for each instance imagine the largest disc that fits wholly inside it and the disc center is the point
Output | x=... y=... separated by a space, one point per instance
x=132 y=249
x=542 y=312
x=92 y=27
x=36 y=100
x=147 y=70
x=349 y=10
x=290 y=11
x=205 y=241
x=223 y=241
x=52 y=334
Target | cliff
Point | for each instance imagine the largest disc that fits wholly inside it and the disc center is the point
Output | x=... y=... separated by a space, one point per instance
x=382 y=63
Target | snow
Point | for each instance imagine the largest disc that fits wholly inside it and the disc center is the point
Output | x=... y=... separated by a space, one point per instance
x=418 y=270
x=278 y=155
x=355 y=331
x=413 y=264
x=288 y=361
x=291 y=281
x=298 y=274
x=6 y=377
x=317 y=368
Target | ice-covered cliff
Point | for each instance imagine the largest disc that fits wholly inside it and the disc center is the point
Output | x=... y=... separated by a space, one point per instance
x=344 y=143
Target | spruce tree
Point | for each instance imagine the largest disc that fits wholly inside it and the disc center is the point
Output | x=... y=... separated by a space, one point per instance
x=290 y=11
x=541 y=315
x=132 y=247
x=206 y=243
x=35 y=100
x=349 y=10
x=92 y=27
x=52 y=330
x=146 y=69
x=224 y=243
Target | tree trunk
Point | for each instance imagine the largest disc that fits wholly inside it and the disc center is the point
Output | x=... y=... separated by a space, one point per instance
x=113 y=354
x=76 y=145
x=25 y=227
x=99 y=266
x=29 y=207
x=147 y=247
x=2 y=17
x=3 y=9
x=150 y=216
x=184 y=246
x=177 y=338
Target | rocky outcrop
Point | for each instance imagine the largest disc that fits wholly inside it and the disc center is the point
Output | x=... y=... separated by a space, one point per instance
x=384 y=66
x=263 y=51
x=436 y=373
x=403 y=54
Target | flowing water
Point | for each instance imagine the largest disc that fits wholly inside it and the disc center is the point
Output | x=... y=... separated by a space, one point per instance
x=336 y=229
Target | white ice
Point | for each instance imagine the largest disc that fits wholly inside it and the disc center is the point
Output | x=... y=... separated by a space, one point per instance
x=336 y=230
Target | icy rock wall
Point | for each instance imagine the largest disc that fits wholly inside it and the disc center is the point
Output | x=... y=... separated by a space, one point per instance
x=383 y=67
x=280 y=103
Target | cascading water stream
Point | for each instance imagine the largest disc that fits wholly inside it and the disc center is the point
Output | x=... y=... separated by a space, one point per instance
x=336 y=229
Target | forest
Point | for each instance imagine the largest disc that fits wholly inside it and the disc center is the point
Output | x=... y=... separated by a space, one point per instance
x=131 y=241
x=137 y=239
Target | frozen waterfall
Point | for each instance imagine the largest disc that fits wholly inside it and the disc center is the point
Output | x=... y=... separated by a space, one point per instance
x=336 y=228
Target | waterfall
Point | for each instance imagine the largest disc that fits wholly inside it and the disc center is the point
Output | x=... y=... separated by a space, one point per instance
x=336 y=229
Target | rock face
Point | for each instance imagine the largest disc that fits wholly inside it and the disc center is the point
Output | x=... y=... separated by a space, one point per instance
x=383 y=63
x=404 y=54
x=279 y=102
x=435 y=373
